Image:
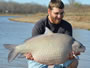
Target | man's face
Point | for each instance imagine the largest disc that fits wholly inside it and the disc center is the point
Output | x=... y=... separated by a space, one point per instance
x=56 y=15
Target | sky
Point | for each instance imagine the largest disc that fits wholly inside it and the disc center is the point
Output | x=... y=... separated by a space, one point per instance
x=45 y=2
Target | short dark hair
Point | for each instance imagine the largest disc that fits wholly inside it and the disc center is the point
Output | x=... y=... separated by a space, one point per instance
x=56 y=3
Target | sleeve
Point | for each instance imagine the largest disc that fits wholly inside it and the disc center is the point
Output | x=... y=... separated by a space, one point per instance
x=39 y=28
x=69 y=29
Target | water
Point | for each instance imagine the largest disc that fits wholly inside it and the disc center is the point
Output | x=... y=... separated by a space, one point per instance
x=84 y=37
x=16 y=32
x=12 y=33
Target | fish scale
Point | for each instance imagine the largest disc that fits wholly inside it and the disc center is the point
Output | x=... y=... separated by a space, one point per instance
x=49 y=48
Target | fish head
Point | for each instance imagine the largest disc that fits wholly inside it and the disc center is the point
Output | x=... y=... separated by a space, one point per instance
x=78 y=47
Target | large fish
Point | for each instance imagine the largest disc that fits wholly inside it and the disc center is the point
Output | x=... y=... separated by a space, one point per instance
x=49 y=48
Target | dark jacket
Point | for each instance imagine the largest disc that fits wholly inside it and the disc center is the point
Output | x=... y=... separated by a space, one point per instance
x=63 y=27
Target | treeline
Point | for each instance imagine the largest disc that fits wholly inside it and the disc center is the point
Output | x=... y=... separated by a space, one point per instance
x=12 y=7
x=77 y=8
x=21 y=8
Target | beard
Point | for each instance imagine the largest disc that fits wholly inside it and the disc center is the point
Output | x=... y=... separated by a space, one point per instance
x=54 y=20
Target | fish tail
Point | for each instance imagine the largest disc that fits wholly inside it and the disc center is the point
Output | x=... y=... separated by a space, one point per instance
x=13 y=52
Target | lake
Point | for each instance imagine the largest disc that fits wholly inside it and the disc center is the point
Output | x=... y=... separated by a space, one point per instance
x=16 y=32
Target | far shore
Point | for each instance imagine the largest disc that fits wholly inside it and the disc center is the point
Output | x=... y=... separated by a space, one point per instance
x=82 y=22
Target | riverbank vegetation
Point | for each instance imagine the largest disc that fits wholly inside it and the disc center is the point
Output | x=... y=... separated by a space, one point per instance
x=77 y=14
x=12 y=7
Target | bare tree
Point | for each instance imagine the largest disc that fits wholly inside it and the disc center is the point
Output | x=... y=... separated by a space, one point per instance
x=14 y=7
x=71 y=2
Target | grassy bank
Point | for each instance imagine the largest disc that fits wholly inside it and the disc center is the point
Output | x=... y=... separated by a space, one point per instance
x=77 y=21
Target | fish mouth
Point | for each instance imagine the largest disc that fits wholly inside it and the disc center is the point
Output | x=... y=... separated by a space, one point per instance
x=84 y=50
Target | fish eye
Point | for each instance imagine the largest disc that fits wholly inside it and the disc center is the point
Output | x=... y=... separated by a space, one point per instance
x=80 y=46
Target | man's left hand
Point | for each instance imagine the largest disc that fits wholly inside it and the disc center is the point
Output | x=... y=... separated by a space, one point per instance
x=71 y=55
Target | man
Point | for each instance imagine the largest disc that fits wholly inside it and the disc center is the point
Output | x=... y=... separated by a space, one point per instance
x=54 y=21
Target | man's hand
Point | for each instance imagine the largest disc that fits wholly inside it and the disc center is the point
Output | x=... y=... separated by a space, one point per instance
x=29 y=56
x=71 y=55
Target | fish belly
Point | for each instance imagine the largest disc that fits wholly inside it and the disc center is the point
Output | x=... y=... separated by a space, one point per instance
x=49 y=57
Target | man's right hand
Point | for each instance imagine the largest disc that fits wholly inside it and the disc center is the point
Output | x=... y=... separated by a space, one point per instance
x=29 y=56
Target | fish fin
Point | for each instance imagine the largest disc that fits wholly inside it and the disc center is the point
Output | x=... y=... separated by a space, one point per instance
x=48 y=31
x=9 y=46
x=21 y=56
x=12 y=55
x=13 y=52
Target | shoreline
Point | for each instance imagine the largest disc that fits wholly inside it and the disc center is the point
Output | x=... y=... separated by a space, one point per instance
x=75 y=24
x=77 y=21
